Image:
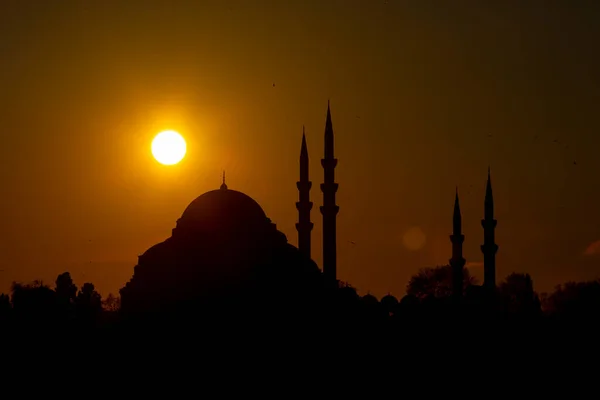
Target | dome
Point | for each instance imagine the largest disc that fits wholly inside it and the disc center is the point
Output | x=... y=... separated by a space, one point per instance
x=224 y=207
x=389 y=301
x=369 y=299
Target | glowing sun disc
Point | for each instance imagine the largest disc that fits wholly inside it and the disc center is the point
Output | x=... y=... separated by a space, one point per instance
x=168 y=147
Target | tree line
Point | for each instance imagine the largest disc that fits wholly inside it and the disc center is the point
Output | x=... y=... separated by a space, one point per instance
x=428 y=293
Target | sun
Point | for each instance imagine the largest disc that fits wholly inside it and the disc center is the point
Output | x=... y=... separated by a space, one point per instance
x=168 y=147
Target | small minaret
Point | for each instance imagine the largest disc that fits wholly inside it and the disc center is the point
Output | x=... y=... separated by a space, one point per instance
x=329 y=208
x=489 y=247
x=457 y=262
x=223 y=185
x=304 y=205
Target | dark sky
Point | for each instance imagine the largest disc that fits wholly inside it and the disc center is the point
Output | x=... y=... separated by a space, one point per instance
x=416 y=89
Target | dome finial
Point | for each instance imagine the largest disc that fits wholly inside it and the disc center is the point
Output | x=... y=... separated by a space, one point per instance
x=223 y=185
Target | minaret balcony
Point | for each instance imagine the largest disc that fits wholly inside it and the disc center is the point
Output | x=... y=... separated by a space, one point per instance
x=329 y=162
x=329 y=210
x=304 y=185
x=329 y=187
x=304 y=226
x=457 y=262
x=489 y=248
x=304 y=205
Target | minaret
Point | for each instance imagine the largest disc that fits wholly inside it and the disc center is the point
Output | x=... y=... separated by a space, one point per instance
x=489 y=247
x=304 y=205
x=329 y=208
x=457 y=262
x=223 y=185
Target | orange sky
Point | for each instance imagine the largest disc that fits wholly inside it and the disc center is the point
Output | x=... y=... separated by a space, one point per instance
x=415 y=91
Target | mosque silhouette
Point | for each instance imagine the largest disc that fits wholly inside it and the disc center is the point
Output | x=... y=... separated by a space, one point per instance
x=225 y=250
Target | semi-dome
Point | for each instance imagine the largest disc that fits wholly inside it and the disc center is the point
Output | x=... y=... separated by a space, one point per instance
x=223 y=207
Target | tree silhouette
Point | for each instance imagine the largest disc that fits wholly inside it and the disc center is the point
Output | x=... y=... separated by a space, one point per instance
x=575 y=300
x=112 y=303
x=88 y=302
x=35 y=301
x=389 y=304
x=5 y=306
x=66 y=290
x=436 y=282
x=518 y=296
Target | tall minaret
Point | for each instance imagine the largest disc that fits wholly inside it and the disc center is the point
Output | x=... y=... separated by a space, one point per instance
x=304 y=205
x=329 y=208
x=489 y=247
x=457 y=262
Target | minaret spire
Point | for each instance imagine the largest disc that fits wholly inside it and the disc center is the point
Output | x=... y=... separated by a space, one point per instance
x=329 y=209
x=489 y=198
x=456 y=218
x=223 y=185
x=304 y=205
x=457 y=262
x=489 y=247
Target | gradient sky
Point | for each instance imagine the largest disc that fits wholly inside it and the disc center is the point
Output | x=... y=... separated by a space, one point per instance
x=416 y=89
